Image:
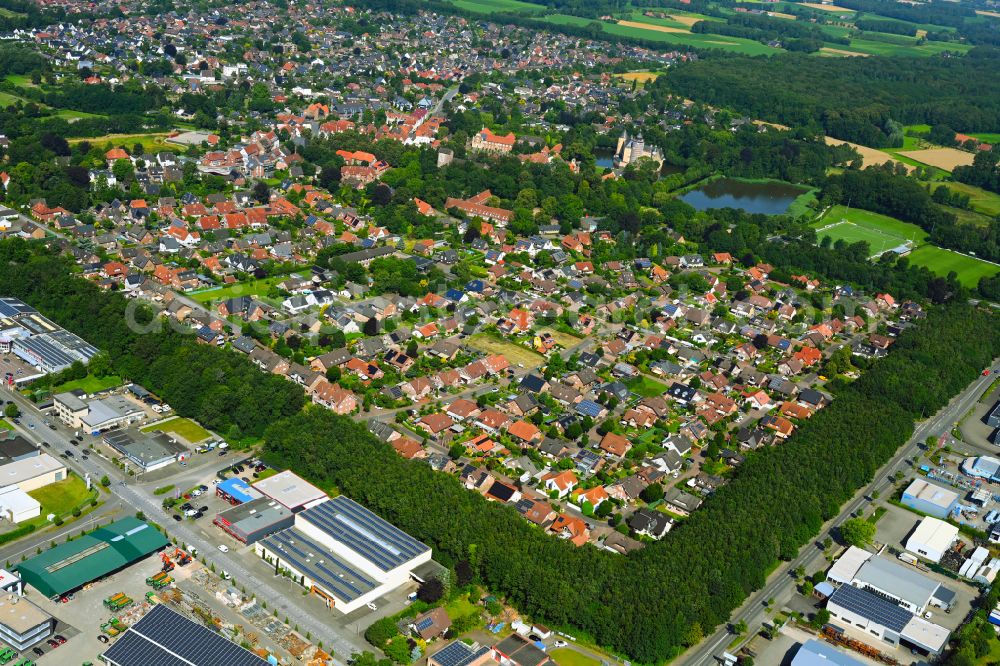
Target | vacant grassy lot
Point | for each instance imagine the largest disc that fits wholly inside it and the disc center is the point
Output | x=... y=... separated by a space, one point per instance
x=89 y=384
x=641 y=77
x=567 y=656
x=564 y=339
x=152 y=142
x=646 y=387
x=61 y=497
x=184 y=428
x=485 y=342
x=256 y=288
x=942 y=262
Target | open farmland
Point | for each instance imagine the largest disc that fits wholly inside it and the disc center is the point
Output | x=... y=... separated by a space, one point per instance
x=942 y=158
x=942 y=262
x=869 y=156
x=827 y=8
x=988 y=137
x=152 y=142
x=982 y=201
x=650 y=26
x=496 y=6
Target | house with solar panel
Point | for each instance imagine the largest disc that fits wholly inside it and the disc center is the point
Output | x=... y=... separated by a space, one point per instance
x=461 y=654
x=345 y=554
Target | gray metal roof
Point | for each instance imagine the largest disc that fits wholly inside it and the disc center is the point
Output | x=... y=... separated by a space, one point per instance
x=817 y=653
x=317 y=563
x=897 y=580
x=381 y=543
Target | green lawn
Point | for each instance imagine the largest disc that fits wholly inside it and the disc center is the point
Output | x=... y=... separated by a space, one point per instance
x=6 y=99
x=566 y=656
x=152 y=142
x=881 y=232
x=646 y=387
x=5 y=426
x=942 y=262
x=255 y=288
x=494 y=6
x=185 y=428
x=988 y=137
x=89 y=384
x=982 y=201
x=61 y=497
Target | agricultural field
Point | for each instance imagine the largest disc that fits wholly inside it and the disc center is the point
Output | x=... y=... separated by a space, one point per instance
x=869 y=156
x=942 y=158
x=496 y=6
x=987 y=137
x=982 y=201
x=827 y=8
x=882 y=232
x=184 y=428
x=516 y=354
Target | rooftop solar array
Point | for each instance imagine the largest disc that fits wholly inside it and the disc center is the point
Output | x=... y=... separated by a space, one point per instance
x=871 y=607
x=12 y=307
x=165 y=638
x=381 y=543
x=325 y=569
x=459 y=654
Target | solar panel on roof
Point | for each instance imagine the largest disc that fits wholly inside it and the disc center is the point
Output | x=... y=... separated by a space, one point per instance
x=872 y=607
x=458 y=654
x=425 y=624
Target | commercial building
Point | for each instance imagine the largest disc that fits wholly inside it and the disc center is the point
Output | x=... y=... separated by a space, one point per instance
x=931 y=499
x=33 y=472
x=252 y=521
x=16 y=506
x=165 y=637
x=817 y=653
x=22 y=623
x=145 y=451
x=96 y=416
x=983 y=467
x=344 y=553
x=880 y=618
x=292 y=491
x=903 y=585
x=69 y=566
x=15 y=448
x=38 y=341
x=236 y=491
x=932 y=539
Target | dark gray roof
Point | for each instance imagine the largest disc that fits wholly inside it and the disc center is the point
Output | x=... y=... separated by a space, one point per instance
x=874 y=608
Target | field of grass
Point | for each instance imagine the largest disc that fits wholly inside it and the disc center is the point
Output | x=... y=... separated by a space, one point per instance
x=485 y=342
x=6 y=99
x=882 y=225
x=641 y=77
x=494 y=6
x=646 y=387
x=988 y=137
x=566 y=656
x=564 y=339
x=942 y=262
x=152 y=142
x=62 y=496
x=255 y=288
x=878 y=44
x=21 y=80
x=185 y=428
x=982 y=201
x=89 y=384
x=5 y=426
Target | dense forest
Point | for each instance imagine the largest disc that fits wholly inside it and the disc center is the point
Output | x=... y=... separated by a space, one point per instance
x=222 y=390
x=668 y=595
x=860 y=99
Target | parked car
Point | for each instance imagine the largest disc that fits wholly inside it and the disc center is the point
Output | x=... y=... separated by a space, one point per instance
x=177 y=517
x=102 y=638
x=39 y=651
x=224 y=548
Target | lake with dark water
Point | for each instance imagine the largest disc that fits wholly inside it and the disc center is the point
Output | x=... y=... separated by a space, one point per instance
x=765 y=198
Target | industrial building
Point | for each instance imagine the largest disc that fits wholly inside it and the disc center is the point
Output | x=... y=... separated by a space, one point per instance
x=930 y=499
x=22 y=623
x=38 y=341
x=982 y=467
x=14 y=448
x=344 y=553
x=292 y=491
x=165 y=637
x=818 y=653
x=880 y=618
x=252 y=521
x=902 y=584
x=96 y=416
x=32 y=472
x=931 y=539
x=145 y=451
x=237 y=491
x=16 y=506
x=71 y=565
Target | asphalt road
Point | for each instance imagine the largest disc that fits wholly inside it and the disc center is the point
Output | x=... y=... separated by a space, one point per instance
x=782 y=581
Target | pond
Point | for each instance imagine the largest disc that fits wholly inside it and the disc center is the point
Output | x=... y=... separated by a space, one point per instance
x=604 y=158
x=772 y=198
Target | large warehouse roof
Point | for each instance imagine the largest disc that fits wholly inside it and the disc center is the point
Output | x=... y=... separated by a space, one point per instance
x=164 y=637
x=289 y=489
x=381 y=543
x=328 y=571
x=105 y=550
x=901 y=582
x=874 y=608
x=816 y=653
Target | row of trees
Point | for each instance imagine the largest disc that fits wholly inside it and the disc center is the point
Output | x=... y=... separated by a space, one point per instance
x=222 y=390
x=653 y=603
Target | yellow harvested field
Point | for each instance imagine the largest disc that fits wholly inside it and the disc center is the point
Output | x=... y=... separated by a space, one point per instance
x=869 y=156
x=790 y=17
x=641 y=77
x=686 y=20
x=828 y=8
x=842 y=52
x=783 y=128
x=983 y=12
x=650 y=26
x=942 y=158
x=921 y=34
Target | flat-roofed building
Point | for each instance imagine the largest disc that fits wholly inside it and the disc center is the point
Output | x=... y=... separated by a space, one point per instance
x=70 y=408
x=96 y=416
x=344 y=553
x=22 y=623
x=15 y=448
x=516 y=650
x=292 y=491
x=16 y=506
x=931 y=499
x=147 y=451
x=252 y=521
x=903 y=585
x=877 y=617
x=818 y=653
x=461 y=654
x=31 y=473
x=932 y=539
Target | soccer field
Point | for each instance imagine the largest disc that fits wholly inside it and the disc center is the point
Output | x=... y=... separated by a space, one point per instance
x=850 y=232
x=881 y=232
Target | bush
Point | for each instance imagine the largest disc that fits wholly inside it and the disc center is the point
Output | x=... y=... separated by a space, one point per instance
x=381 y=632
x=431 y=590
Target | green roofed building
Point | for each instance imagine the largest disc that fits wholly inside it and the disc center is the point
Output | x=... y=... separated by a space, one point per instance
x=106 y=550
